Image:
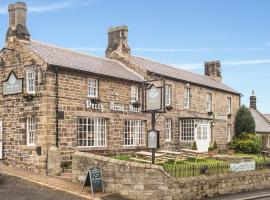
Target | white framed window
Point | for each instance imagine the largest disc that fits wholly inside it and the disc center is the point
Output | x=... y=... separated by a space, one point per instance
x=187 y=129
x=93 y=88
x=92 y=132
x=202 y=132
x=168 y=95
x=134 y=93
x=209 y=102
x=30 y=81
x=168 y=130
x=134 y=133
x=229 y=129
x=229 y=105
x=30 y=131
x=186 y=97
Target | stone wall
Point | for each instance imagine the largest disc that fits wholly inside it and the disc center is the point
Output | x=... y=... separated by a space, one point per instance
x=147 y=182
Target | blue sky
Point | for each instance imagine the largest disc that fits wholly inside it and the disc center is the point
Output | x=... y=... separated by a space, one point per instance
x=183 y=33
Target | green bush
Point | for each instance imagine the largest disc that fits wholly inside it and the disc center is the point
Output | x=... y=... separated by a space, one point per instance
x=215 y=146
x=194 y=146
x=244 y=121
x=248 y=143
x=210 y=148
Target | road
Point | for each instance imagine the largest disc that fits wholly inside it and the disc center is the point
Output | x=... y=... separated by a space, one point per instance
x=12 y=188
x=258 y=195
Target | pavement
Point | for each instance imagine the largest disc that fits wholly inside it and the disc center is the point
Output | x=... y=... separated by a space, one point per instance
x=53 y=183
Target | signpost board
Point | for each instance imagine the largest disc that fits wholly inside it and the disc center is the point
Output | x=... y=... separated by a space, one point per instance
x=153 y=98
x=12 y=85
x=94 y=179
x=153 y=139
x=243 y=166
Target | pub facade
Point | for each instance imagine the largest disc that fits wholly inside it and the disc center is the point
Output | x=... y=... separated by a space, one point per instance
x=55 y=97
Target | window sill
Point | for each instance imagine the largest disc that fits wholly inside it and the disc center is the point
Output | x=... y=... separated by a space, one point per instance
x=134 y=147
x=25 y=147
x=91 y=148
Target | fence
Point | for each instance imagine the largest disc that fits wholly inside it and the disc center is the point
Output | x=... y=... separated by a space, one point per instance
x=188 y=170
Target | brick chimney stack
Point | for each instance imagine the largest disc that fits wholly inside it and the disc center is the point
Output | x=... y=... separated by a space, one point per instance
x=17 y=21
x=118 y=41
x=213 y=70
x=253 y=100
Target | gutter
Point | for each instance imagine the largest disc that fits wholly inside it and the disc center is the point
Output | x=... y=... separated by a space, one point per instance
x=57 y=106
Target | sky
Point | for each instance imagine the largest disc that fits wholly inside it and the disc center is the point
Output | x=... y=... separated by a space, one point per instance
x=182 y=33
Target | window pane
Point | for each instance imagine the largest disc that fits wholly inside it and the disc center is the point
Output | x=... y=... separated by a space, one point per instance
x=92 y=132
x=187 y=130
x=134 y=133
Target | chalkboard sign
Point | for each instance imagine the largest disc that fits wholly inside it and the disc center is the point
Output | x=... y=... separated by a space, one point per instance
x=94 y=179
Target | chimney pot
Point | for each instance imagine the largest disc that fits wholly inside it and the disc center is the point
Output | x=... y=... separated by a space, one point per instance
x=118 y=40
x=213 y=70
x=11 y=11
x=20 y=13
x=253 y=100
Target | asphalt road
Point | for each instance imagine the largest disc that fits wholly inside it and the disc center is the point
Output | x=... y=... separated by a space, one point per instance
x=12 y=188
x=258 y=195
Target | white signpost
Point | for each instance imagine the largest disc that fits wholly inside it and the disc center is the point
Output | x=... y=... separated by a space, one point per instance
x=243 y=166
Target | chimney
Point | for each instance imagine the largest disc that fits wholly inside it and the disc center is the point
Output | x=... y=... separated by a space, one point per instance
x=17 y=21
x=253 y=101
x=11 y=11
x=118 y=41
x=213 y=70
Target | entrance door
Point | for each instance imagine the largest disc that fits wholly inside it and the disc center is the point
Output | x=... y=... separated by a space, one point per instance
x=1 y=140
x=203 y=136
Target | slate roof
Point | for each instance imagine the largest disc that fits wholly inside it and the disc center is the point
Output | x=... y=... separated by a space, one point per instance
x=267 y=116
x=262 y=124
x=180 y=74
x=80 y=61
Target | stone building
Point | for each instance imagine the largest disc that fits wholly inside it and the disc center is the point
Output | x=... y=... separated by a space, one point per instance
x=199 y=107
x=55 y=97
x=262 y=123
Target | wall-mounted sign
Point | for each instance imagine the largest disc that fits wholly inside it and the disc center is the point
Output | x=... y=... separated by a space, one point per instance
x=221 y=117
x=94 y=106
x=13 y=85
x=134 y=109
x=243 y=166
x=153 y=139
x=117 y=107
x=153 y=98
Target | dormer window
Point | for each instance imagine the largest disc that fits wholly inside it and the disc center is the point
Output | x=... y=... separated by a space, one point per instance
x=93 y=88
x=134 y=93
x=30 y=81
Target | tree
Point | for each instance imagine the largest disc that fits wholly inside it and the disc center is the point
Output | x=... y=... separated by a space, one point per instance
x=244 y=122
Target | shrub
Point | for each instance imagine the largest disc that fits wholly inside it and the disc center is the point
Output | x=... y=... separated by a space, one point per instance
x=194 y=146
x=210 y=148
x=248 y=143
x=244 y=121
x=215 y=146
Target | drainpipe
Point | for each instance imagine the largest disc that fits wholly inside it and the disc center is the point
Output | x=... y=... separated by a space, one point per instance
x=57 y=107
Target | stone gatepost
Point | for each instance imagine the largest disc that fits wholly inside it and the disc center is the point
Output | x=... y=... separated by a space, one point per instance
x=54 y=161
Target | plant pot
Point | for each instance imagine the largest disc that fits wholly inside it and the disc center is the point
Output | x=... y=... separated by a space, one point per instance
x=211 y=154
x=169 y=108
x=136 y=104
x=230 y=151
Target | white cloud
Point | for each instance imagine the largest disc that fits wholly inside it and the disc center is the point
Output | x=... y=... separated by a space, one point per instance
x=247 y=62
x=54 y=6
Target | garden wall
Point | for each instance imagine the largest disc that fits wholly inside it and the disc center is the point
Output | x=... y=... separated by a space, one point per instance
x=147 y=182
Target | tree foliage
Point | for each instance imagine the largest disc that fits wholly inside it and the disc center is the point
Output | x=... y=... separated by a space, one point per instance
x=244 y=122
